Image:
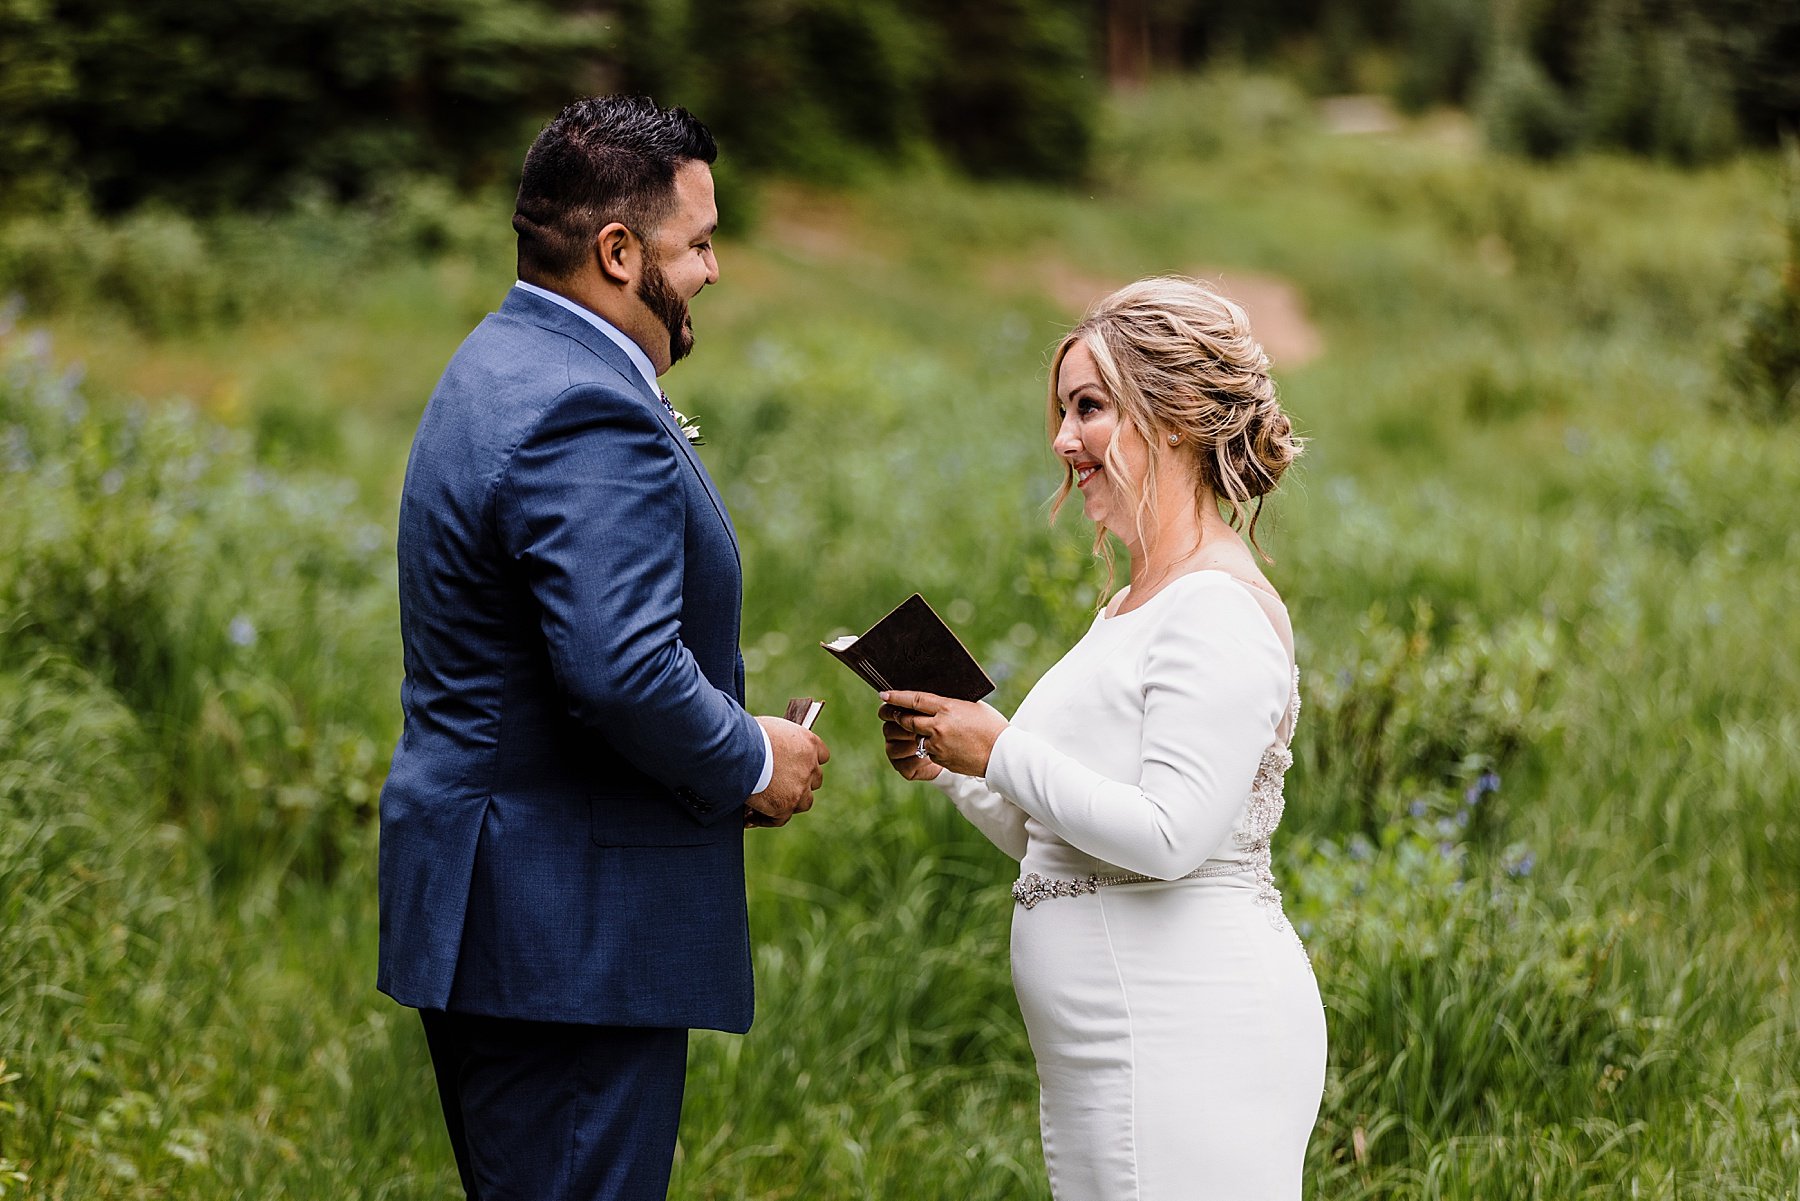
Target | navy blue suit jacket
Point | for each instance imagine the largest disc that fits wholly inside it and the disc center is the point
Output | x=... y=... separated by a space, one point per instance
x=562 y=826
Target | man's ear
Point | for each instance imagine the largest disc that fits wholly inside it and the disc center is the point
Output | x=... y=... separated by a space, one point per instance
x=617 y=251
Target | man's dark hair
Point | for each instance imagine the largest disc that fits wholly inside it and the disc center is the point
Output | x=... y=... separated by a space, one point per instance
x=602 y=159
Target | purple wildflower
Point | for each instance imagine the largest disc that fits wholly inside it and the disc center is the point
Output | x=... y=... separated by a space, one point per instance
x=1485 y=783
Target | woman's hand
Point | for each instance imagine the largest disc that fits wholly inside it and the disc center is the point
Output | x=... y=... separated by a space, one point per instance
x=903 y=751
x=953 y=734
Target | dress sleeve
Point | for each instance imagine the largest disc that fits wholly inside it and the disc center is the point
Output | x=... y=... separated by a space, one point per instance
x=988 y=811
x=1215 y=686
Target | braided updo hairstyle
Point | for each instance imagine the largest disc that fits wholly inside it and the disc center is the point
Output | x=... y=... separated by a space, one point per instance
x=1178 y=358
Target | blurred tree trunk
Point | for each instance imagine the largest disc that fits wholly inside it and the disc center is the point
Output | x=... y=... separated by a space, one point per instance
x=1127 y=43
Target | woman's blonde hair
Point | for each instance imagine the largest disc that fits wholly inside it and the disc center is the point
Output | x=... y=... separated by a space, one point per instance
x=1176 y=357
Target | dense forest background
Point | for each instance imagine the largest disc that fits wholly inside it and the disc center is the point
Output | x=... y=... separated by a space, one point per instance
x=203 y=107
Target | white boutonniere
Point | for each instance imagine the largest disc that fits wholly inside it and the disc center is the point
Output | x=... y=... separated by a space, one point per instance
x=690 y=427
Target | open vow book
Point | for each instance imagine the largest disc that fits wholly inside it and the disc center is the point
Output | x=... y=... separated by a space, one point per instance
x=911 y=648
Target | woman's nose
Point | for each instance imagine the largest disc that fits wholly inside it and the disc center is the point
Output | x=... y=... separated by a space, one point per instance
x=1066 y=441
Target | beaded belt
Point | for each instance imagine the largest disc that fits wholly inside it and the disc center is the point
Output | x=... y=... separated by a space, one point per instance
x=1031 y=888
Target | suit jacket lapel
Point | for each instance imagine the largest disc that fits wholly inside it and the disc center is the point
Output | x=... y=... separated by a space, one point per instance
x=687 y=448
x=540 y=312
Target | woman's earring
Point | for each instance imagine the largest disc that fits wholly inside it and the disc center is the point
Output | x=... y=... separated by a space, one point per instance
x=1174 y=438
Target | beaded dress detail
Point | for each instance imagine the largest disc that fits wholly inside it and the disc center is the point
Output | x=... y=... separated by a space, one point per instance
x=1255 y=829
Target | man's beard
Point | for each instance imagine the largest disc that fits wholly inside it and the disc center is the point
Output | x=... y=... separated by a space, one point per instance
x=667 y=307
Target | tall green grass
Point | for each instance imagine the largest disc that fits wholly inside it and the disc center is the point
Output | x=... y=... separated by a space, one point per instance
x=1539 y=839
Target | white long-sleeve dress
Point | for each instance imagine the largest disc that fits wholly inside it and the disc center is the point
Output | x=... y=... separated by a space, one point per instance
x=1179 y=1036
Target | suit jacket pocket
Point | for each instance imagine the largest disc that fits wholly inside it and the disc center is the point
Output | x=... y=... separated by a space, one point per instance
x=656 y=819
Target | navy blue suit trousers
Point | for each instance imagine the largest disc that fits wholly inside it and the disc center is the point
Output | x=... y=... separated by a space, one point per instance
x=547 y=1111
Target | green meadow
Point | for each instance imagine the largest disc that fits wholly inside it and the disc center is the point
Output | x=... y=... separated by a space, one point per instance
x=1541 y=836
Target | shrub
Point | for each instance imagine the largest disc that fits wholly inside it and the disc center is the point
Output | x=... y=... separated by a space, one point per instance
x=1654 y=88
x=170 y=272
x=824 y=88
x=1202 y=117
x=240 y=102
x=1762 y=349
x=1421 y=714
x=243 y=616
x=1523 y=111
x=1018 y=92
x=1441 y=51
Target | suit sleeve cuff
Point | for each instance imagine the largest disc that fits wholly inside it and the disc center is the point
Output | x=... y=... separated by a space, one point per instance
x=768 y=767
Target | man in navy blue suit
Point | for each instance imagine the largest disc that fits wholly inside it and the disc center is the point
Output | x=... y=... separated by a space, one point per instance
x=562 y=872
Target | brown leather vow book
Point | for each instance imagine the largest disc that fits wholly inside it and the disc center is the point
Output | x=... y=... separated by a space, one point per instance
x=911 y=648
x=803 y=711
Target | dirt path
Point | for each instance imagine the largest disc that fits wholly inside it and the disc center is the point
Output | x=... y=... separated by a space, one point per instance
x=815 y=226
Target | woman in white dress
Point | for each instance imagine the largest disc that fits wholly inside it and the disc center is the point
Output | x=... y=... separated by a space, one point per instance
x=1179 y=1037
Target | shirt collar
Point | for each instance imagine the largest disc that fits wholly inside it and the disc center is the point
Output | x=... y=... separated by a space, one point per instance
x=632 y=350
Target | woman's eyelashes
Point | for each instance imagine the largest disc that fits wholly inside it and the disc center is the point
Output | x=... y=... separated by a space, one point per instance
x=1085 y=405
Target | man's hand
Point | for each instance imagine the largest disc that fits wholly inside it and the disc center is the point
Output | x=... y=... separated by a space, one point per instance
x=799 y=756
x=958 y=735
